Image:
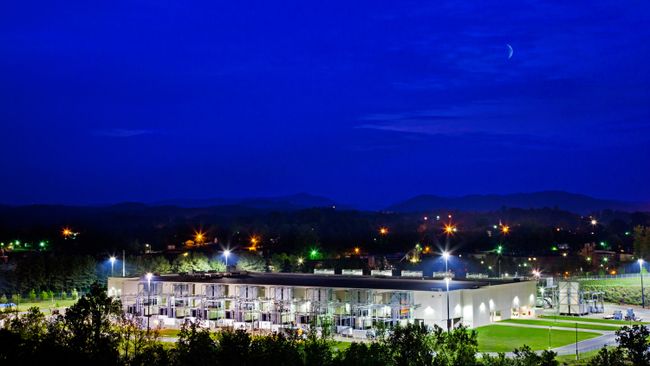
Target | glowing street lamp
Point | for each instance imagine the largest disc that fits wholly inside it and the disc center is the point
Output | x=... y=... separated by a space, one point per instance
x=383 y=231
x=449 y=229
x=66 y=232
x=300 y=261
x=199 y=237
x=226 y=254
x=505 y=229
x=594 y=222
x=445 y=256
x=536 y=273
x=112 y=260
x=641 y=274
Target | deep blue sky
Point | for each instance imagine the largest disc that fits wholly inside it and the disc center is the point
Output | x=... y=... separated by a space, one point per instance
x=364 y=102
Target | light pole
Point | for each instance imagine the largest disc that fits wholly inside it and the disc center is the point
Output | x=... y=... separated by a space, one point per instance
x=447 y=280
x=149 y=275
x=112 y=260
x=226 y=254
x=641 y=274
x=445 y=256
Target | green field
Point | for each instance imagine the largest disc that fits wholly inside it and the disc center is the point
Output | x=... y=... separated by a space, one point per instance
x=499 y=338
x=565 y=324
x=591 y=320
x=168 y=332
x=571 y=359
x=341 y=345
x=45 y=306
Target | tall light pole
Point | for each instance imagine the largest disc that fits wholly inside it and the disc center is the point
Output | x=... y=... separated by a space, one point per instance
x=149 y=275
x=226 y=254
x=641 y=274
x=445 y=256
x=447 y=280
x=112 y=260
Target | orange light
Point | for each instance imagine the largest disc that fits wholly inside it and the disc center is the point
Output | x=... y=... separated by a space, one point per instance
x=357 y=250
x=383 y=231
x=66 y=232
x=254 y=240
x=427 y=249
x=199 y=237
x=613 y=272
x=505 y=229
x=449 y=229
x=252 y=248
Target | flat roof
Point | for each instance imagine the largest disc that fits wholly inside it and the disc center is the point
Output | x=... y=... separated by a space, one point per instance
x=331 y=281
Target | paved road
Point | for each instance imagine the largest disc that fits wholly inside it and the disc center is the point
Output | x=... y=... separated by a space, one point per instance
x=587 y=345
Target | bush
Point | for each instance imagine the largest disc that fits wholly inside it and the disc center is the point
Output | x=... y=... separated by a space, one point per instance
x=634 y=341
x=606 y=357
x=3 y=299
x=45 y=295
x=32 y=295
x=16 y=298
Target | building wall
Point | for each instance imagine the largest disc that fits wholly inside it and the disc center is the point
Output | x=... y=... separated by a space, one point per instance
x=472 y=307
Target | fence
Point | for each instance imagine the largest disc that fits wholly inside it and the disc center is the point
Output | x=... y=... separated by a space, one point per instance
x=607 y=277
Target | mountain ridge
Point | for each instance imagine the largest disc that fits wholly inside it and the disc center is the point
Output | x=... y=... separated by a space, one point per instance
x=573 y=202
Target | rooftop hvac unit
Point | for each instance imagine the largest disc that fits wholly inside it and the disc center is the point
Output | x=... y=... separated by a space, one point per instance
x=570 y=299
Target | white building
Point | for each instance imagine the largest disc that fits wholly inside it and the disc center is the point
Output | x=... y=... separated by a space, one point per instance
x=353 y=303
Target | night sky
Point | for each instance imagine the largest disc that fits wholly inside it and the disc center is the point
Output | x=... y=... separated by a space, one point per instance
x=364 y=102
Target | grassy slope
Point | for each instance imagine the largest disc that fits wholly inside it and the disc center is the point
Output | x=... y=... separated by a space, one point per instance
x=565 y=324
x=591 y=320
x=45 y=306
x=499 y=338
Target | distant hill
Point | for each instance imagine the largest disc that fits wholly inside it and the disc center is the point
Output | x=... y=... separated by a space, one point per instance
x=283 y=203
x=564 y=200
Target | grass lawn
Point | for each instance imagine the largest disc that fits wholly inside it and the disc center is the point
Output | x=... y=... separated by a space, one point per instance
x=591 y=320
x=341 y=345
x=565 y=324
x=45 y=306
x=168 y=332
x=570 y=360
x=499 y=338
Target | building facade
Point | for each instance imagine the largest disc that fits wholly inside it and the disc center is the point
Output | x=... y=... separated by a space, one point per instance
x=354 y=304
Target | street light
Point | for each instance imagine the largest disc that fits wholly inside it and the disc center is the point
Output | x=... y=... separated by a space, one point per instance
x=505 y=229
x=112 y=260
x=641 y=274
x=445 y=256
x=226 y=254
x=148 y=276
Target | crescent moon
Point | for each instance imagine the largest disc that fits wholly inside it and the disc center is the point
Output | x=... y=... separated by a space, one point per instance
x=510 y=51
